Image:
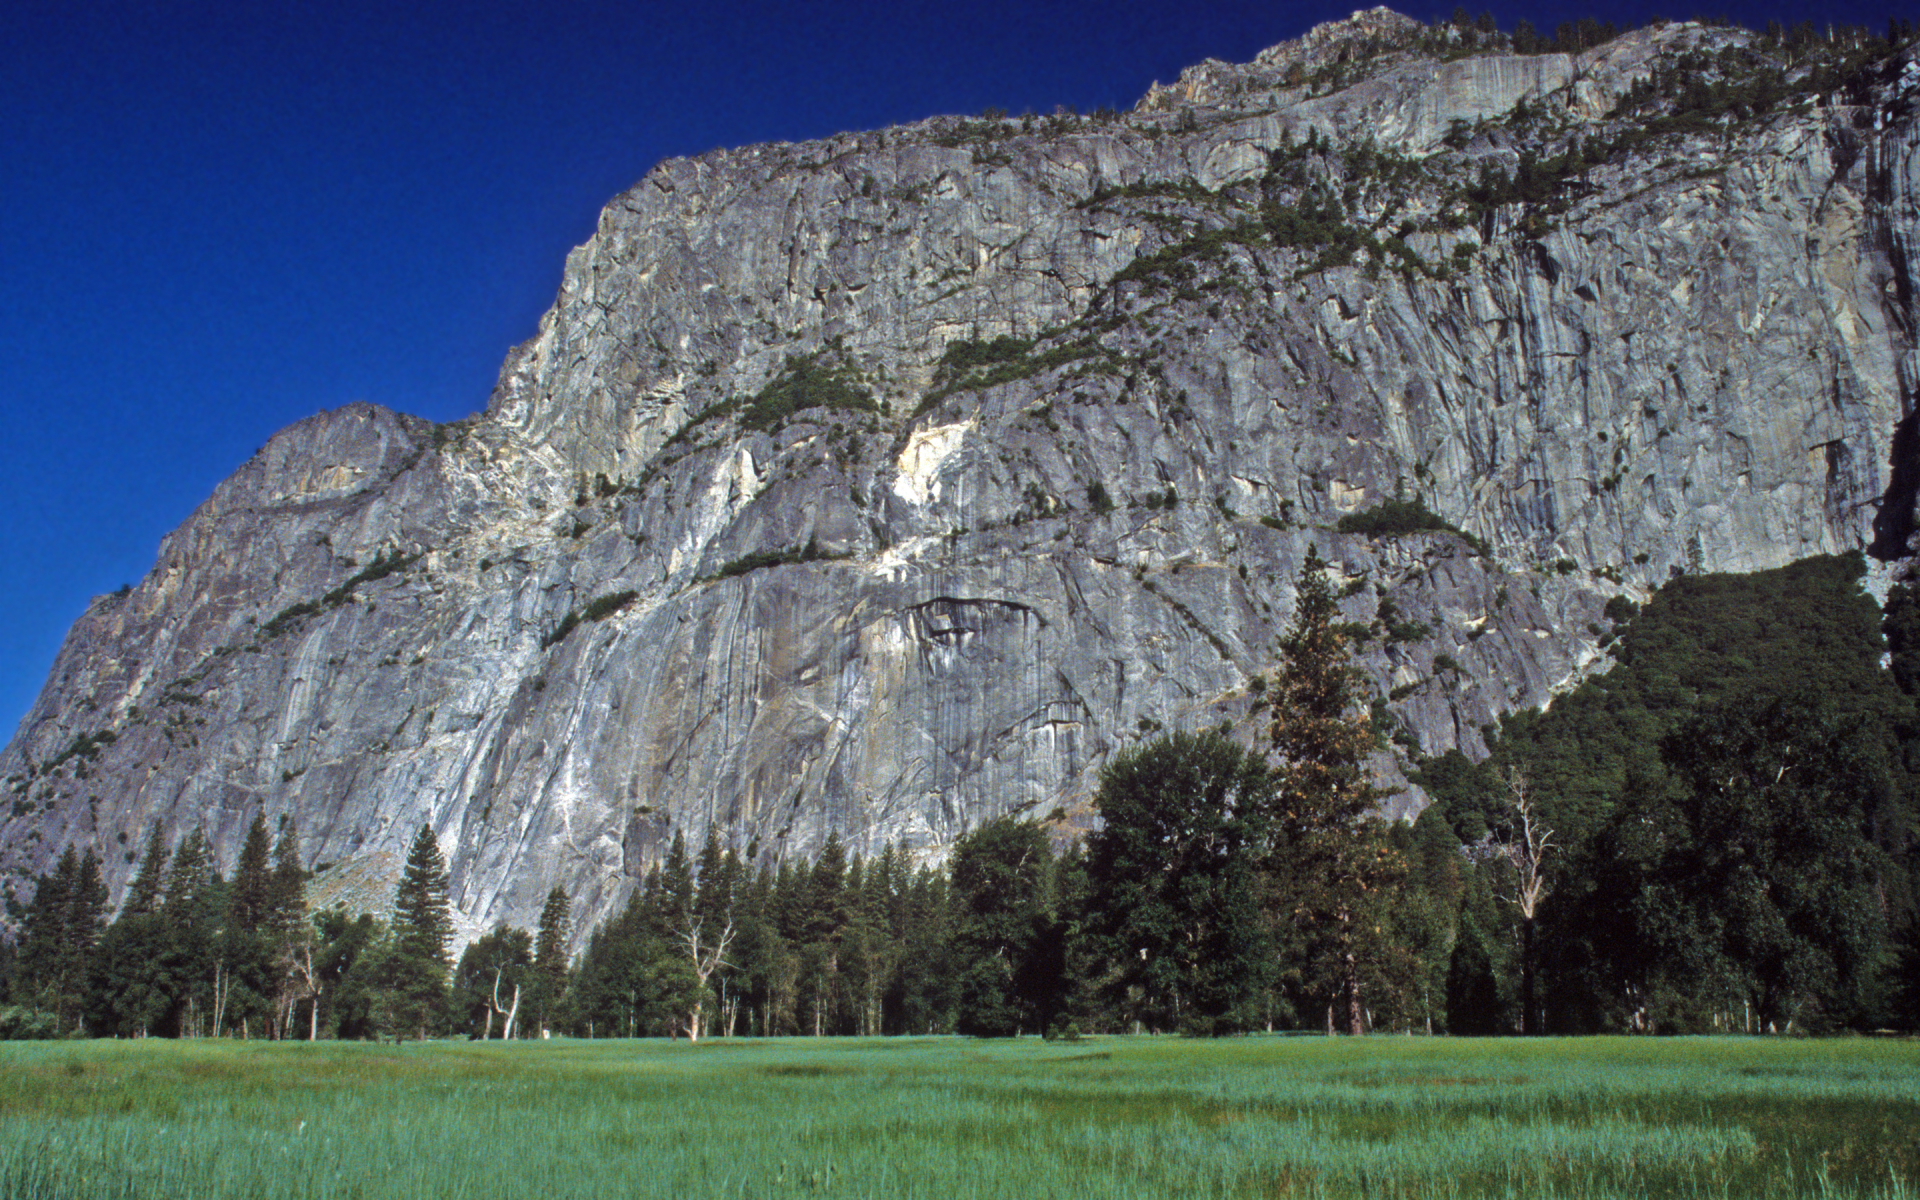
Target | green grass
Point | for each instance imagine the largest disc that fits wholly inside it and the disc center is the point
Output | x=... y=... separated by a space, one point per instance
x=957 y=1119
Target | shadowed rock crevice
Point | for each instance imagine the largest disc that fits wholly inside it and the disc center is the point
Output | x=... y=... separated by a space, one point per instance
x=1893 y=525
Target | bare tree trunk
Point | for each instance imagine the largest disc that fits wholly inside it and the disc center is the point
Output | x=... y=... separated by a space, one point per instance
x=1528 y=1023
x=219 y=999
x=707 y=958
x=1528 y=856
x=506 y=1030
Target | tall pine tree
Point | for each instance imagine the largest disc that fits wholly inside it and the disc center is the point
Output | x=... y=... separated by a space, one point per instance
x=414 y=981
x=1331 y=859
x=292 y=934
x=58 y=935
x=143 y=894
x=550 y=960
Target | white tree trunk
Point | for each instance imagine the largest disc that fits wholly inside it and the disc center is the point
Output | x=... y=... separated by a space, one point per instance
x=706 y=960
x=506 y=1030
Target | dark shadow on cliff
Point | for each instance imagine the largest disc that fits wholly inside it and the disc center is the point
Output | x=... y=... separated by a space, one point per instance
x=1895 y=524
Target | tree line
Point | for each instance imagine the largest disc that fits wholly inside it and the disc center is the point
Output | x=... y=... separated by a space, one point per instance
x=1718 y=834
x=192 y=953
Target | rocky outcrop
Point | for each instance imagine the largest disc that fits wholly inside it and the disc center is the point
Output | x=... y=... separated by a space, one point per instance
x=888 y=483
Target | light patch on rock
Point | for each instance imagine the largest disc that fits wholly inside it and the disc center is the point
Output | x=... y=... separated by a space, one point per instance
x=918 y=481
x=1345 y=497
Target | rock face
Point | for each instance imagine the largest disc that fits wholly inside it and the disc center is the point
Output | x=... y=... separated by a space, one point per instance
x=892 y=482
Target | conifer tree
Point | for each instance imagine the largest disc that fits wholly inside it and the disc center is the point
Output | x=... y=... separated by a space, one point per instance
x=189 y=922
x=414 y=979
x=550 y=959
x=59 y=933
x=762 y=955
x=253 y=877
x=149 y=880
x=292 y=933
x=825 y=921
x=246 y=983
x=675 y=889
x=43 y=932
x=135 y=983
x=287 y=890
x=720 y=883
x=189 y=880
x=1331 y=859
x=422 y=915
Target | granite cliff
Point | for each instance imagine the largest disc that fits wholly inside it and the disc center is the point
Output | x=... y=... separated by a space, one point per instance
x=890 y=482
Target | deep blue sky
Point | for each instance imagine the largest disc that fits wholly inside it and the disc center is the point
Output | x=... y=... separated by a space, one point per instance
x=216 y=219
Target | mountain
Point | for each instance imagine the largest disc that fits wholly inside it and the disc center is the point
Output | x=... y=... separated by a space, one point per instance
x=891 y=482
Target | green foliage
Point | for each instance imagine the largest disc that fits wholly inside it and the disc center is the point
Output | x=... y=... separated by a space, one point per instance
x=967 y=357
x=1178 y=262
x=495 y=973
x=1764 y=886
x=1172 y=901
x=551 y=958
x=21 y=1024
x=1317 y=221
x=802 y=384
x=145 y=976
x=762 y=559
x=58 y=934
x=1741 y=706
x=1004 y=937
x=346 y=953
x=1188 y=190
x=1399 y=518
x=1806 y=630
x=143 y=893
x=1397 y=628
x=422 y=912
x=84 y=749
x=597 y=609
x=385 y=563
x=290 y=616
x=251 y=896
x=971 y=366
x=175 y=963
x=410 y=971
x=1329 y=864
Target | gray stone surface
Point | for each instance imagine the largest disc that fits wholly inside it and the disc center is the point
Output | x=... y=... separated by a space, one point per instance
x=1702 y=364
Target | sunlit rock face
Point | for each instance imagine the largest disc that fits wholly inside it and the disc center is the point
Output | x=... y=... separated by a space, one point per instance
x=1086 y=391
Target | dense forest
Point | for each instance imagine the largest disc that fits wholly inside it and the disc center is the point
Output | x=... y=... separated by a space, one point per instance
x=1716 y=834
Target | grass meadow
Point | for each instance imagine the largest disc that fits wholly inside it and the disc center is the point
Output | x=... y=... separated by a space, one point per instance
x=954 y=1119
